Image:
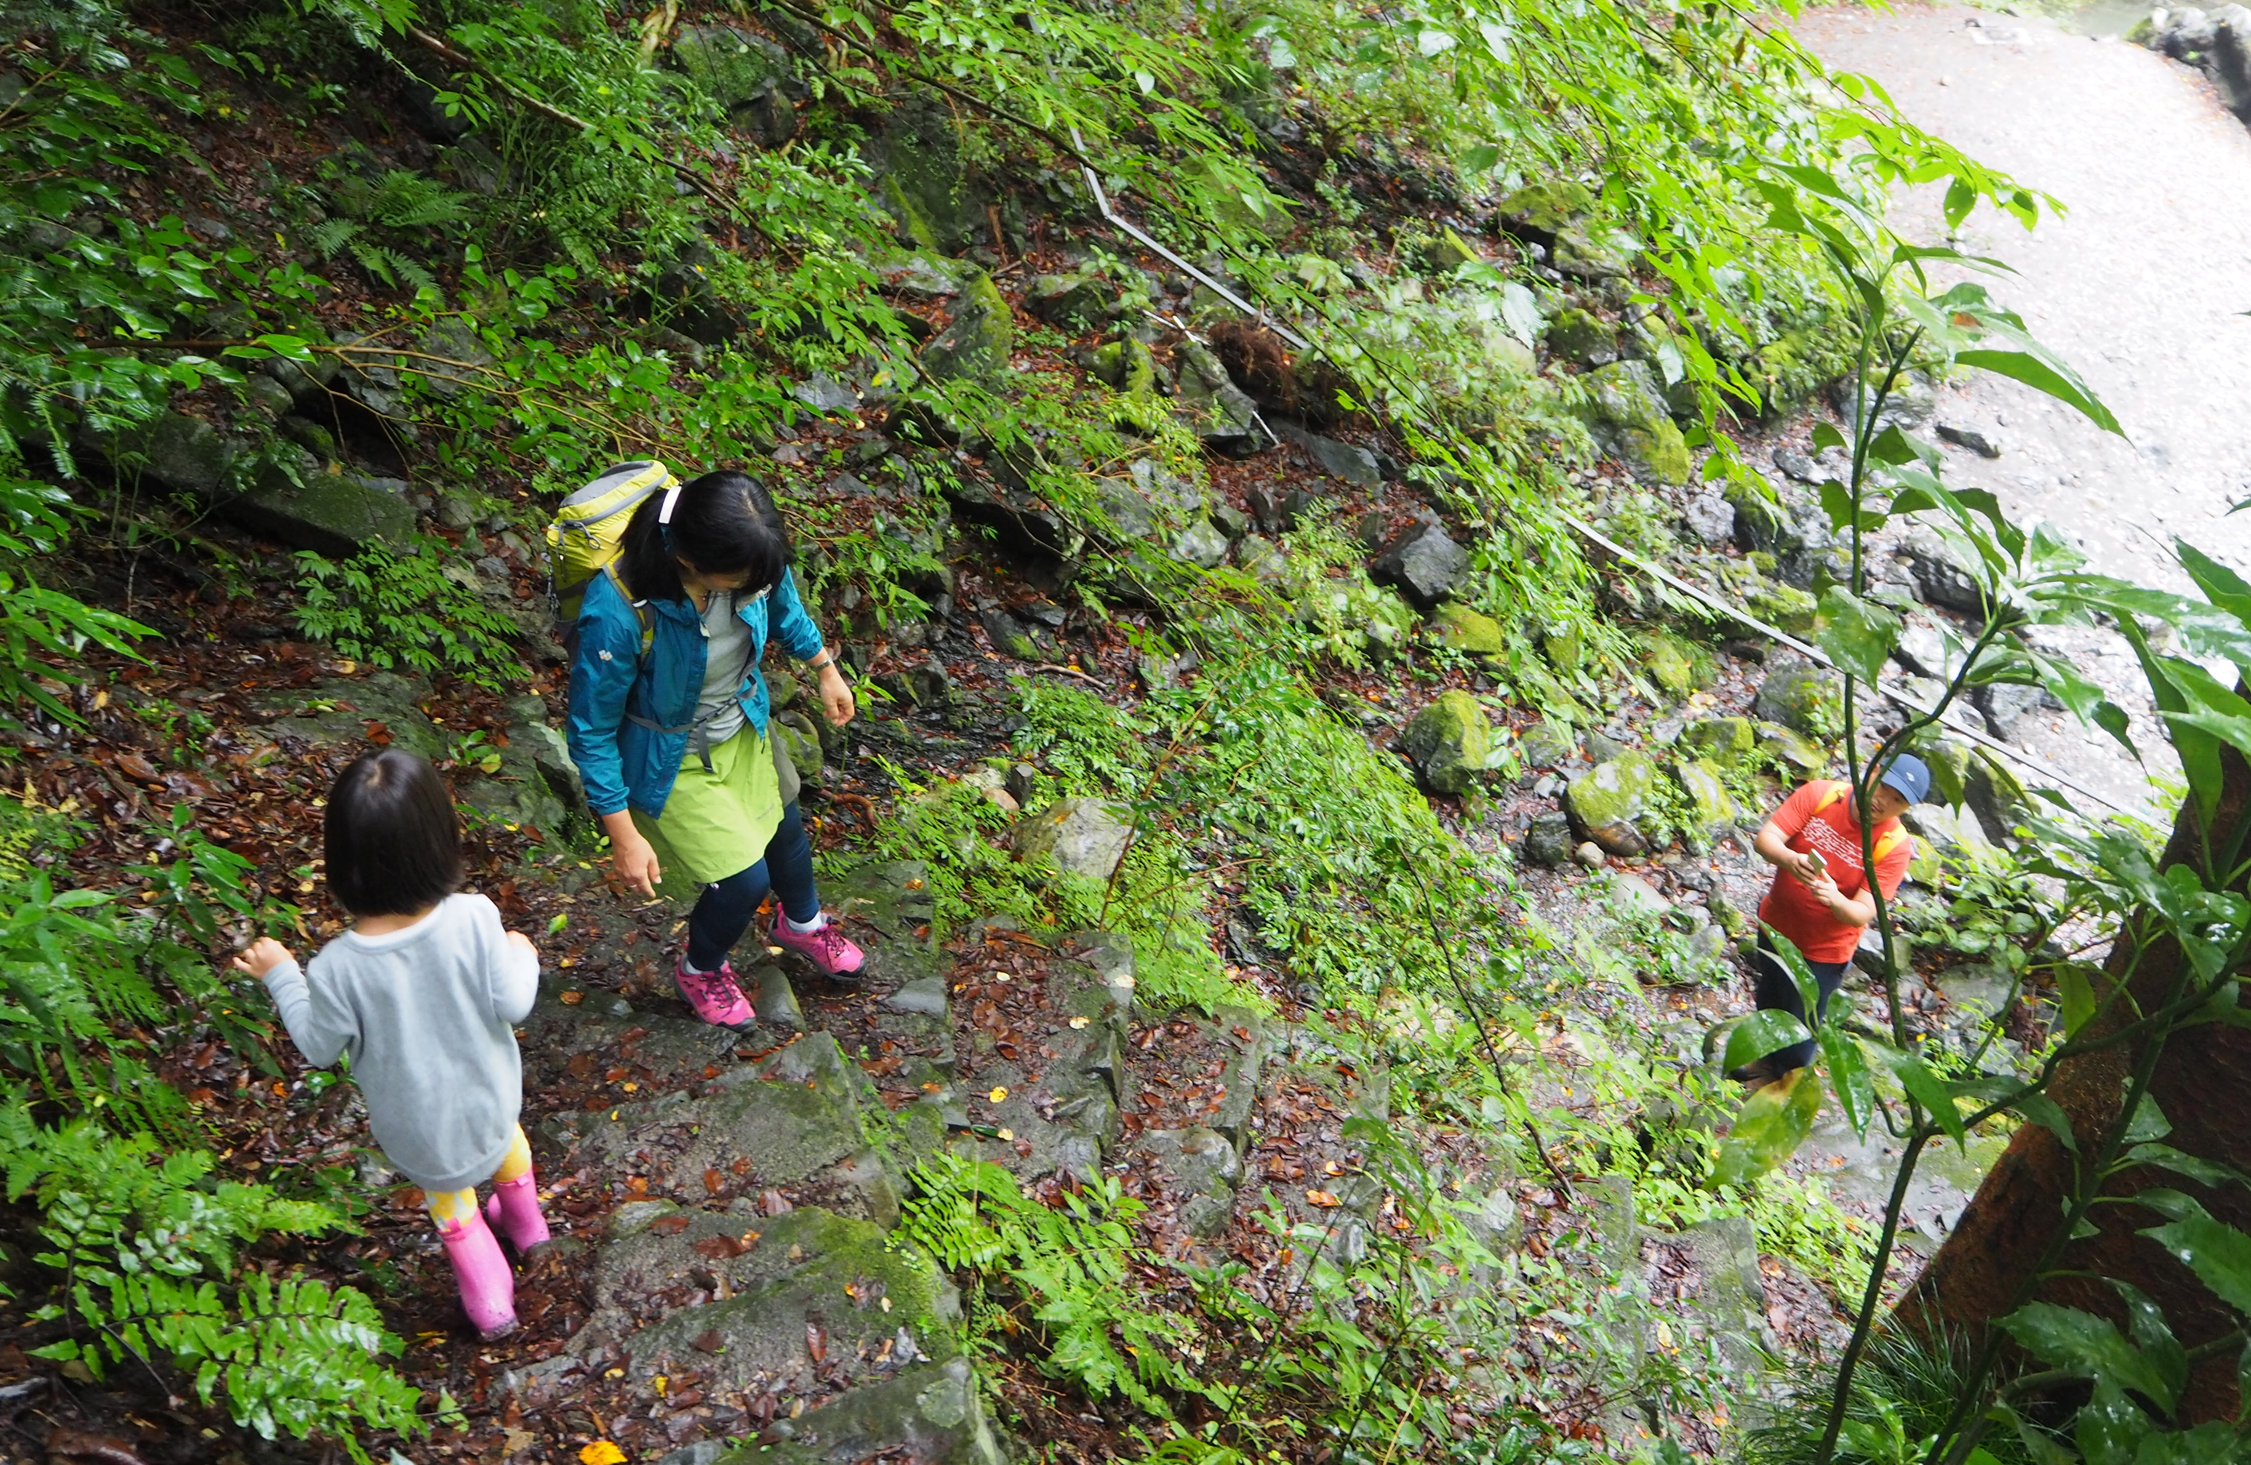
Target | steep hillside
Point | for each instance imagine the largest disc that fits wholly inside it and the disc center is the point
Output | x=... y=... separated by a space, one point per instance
x=1302 y=849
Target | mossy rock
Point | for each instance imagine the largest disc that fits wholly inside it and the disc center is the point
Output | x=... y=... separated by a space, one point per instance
x=1471 y=632
x=1608 y=802
x=1450 y=742
x=1784 y=607
x=1726 y=741
x=922 y=178
x=1711 y=808
x=1075 y=302
x=1679 y=667
x=1548 y=744
x=1581 y=335
x=1450 y=252
x=1128 y=368
x=1629 y=420
x=335 y=514
x=1795 y=752
x=733 y=68
x=1547 y=207
x=1802 y=697
x=975 y=346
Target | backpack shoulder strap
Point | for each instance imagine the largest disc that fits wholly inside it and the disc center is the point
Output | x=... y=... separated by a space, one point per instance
x=1830 y=795
x=640 y=607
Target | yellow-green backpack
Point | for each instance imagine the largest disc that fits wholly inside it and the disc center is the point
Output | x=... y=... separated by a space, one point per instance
x=586 y=533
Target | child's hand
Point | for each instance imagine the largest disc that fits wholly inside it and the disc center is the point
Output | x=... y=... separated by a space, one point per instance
x=262 y=956
x=519 y=939
x=836 y=696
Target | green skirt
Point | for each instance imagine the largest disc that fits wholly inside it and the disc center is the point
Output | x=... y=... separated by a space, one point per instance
x=719 y=823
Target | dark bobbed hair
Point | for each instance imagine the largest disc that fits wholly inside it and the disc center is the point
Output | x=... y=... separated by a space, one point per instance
x=724 y=524
x=393 y=843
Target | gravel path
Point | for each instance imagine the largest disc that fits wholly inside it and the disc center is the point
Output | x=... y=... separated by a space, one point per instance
x=2144 y=286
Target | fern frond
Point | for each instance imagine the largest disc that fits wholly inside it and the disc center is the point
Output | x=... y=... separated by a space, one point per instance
x=331 y=235
x=408 y=200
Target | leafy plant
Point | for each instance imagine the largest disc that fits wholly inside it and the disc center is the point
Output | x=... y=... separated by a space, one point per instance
x=1058 y=1271
x=148 y=1249
x=399 y=607
x=399 y=200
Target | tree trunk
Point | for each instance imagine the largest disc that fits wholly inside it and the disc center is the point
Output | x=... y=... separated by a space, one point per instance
x=2202 y=1083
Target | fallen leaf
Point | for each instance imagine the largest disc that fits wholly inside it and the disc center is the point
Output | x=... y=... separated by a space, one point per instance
x=601 y=1452
x=1322 y=1198
x=516 y=1441
x=1080 y=1022
x=1000 y=1092
x=709 y=1341
x=816 y=1341
x=669 y=1225
x=572 y=999
x=714 y=1182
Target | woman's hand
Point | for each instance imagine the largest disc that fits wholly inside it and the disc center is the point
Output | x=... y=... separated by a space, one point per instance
x=261 y=957
x=836 y=696
x=631 y=855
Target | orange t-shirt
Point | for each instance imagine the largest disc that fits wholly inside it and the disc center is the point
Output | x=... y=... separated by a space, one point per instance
x=1796 y=911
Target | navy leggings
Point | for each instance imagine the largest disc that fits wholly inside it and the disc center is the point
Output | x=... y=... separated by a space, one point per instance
x=724 y=909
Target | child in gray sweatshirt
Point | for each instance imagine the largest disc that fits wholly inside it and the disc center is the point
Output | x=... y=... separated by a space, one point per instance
x=422 y=996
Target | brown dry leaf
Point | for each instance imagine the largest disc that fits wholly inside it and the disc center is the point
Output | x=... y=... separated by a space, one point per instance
x=572 y=999
x=709 y=1341
x=816 y=1341
x=1322 y=1198
x=720 y=1248
x=714 y=1181
x=669 y=1225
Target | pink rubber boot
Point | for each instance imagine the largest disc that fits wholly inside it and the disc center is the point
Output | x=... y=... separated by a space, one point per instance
x=514 y=1208
x=824 y=946
x=488 y=1288
x=714 y=995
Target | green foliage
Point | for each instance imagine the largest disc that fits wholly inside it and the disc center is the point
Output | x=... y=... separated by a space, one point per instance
x=148 y=1248
x=392 y=607
x=1059 y=1271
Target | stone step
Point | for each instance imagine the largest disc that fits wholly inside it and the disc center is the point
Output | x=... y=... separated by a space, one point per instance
x=1067 y=1090
x=932 y=1414
x=799 y=1121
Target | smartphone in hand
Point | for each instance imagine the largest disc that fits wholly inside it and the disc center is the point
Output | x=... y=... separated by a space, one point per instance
x=1820 y=865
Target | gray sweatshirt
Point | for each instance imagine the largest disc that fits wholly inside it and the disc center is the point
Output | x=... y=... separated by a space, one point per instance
x=427 y=1016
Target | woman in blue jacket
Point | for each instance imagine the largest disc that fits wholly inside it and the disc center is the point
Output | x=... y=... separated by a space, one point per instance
x=670 y=726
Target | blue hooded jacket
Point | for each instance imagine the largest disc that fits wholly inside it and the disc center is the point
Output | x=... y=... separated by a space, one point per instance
x=623 y=763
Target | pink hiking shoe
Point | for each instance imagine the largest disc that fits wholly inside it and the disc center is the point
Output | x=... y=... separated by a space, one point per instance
x=714 y=995
x=488 y=1288
x=825 y=946
x=514 y=1208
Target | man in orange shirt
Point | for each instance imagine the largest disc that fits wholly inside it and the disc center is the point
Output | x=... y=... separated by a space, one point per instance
x=1820 y=897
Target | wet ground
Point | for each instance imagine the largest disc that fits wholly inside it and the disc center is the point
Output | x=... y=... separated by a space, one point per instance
x=2144 y=285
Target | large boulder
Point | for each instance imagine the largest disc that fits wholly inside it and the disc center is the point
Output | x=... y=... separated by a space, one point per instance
x=1940 y=579
x=1423 y=563
x=1802 y=697
x=1726 y=741
x=1471 y=632
x=1083 y=836
x=922 y=178
x=1608 y=801
x=1223 y=417
x=1784 y=607
x=1547 y=841
x=1912 y=399
x=1074 y=302
x=1791 y=528
x=1345 y=461
x=1796 y=752
x=1711 y=809
x=1996 y=796
x=1449 y=742
x=337 y=514
x=975 y=345
x=1627 y=416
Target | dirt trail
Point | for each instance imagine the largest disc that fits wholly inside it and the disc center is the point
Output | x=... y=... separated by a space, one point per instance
x=2144 y=286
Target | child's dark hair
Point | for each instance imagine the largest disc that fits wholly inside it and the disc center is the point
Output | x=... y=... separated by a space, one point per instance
x=724 y=524
x=394 y=845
